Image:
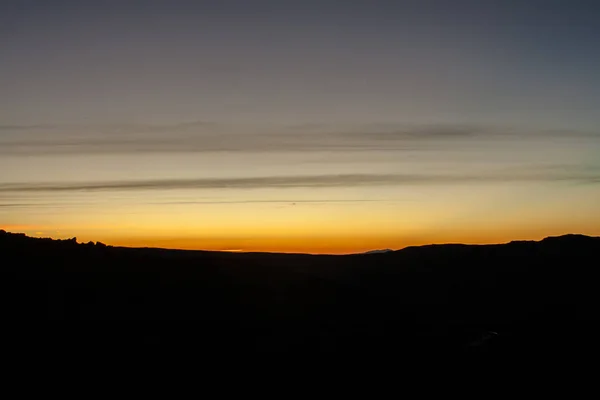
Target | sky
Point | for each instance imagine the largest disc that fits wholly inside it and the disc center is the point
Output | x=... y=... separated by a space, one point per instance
x=299 y=126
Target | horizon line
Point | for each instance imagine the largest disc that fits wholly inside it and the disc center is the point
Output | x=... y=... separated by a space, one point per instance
x=366 y=252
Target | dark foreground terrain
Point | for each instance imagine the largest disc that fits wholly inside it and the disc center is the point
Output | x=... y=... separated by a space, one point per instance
x=515 y=298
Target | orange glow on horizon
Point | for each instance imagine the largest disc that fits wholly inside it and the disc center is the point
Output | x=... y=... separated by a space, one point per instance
x=328 y=241
x=326 y=245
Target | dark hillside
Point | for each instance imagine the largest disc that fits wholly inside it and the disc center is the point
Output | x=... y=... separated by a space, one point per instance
x=516 y=297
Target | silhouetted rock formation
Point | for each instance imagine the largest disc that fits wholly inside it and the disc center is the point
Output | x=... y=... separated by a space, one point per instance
x=518 y=297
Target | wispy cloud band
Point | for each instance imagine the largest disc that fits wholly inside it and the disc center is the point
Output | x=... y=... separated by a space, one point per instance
x=311 y=181
x=202 y=136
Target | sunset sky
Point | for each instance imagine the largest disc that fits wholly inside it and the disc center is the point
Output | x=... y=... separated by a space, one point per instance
x=299 y=126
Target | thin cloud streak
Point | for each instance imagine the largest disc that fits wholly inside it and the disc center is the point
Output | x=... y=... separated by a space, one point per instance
x=200 y=136
x=288 y=202
x=24 y=205
x=312 y=181
x=291 y=201
x=115 y=127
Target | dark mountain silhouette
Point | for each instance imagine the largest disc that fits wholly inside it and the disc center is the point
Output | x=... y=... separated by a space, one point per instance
x=518 y=298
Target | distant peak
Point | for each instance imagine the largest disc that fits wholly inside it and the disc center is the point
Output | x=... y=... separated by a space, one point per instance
x=378 y=251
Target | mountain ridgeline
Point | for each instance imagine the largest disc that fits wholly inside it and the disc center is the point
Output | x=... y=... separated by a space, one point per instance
x=517 y=297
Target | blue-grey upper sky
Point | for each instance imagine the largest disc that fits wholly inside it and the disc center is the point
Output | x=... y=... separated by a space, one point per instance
x=297 y=61
x=145 y=103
